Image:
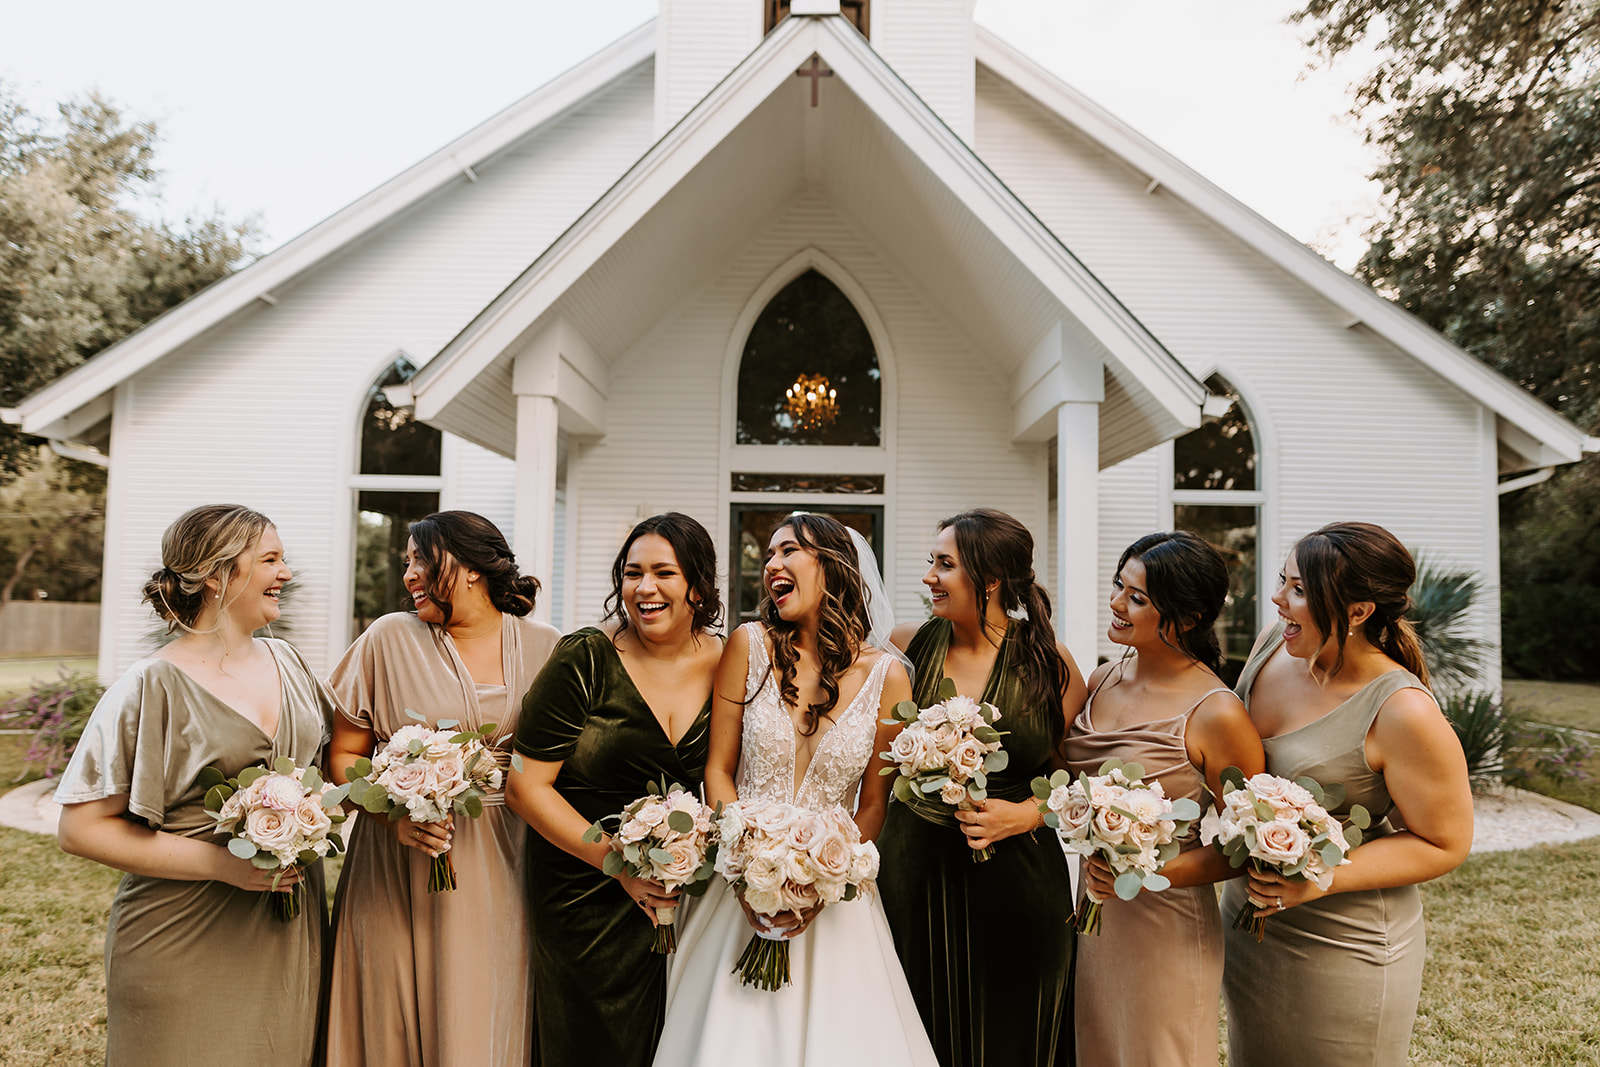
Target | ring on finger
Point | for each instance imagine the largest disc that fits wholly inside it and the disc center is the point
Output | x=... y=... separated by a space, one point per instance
x=1280 y=903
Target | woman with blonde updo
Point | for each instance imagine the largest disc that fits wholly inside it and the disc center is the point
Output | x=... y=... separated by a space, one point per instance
x=216 y=696
x=437 y=979
x=1338 y=689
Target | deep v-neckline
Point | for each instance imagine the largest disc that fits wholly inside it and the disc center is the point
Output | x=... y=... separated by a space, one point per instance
x=660 y=726
x=798 y=779
x=277 y=666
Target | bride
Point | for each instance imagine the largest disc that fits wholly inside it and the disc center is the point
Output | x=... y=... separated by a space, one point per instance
x=797 y=717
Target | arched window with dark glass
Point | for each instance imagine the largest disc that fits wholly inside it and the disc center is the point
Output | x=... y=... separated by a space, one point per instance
x=809 y=374
x=1216 y=493
x=396 y=483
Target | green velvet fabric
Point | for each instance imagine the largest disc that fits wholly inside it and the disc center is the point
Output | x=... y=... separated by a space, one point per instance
x=599 y=993
x=986 y=947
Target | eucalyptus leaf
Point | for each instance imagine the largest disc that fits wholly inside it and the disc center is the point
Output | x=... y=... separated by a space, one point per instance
x=1312 y=786
x=680 y=822
x=210 y=776
x=311 y=778
x=1127 y=884
x=1052 y=820
x=265 y=861
x=996 y=761
x=906 y=710
x=361 y=768
x=1127 y=850
x=1331 y=854
x=661 y=856
x=1264 y=811
x=474 y=805
x=250 y=774
x=414 y=715
x=850 y=892
x=461 y=739
x=1334 y=796
x=612 y=865
x=1157 y=882
x=947 y=689
x=335 y=797
x=488 y=728
x=1360 y=817
x=593 y=834
x=631 y=851
x=307 y=857
x=980 y=779
x=416 y=747
x=283 y=765
x=446 y=724
x=216 y=795
x=242 y=847
x=1040 y=787
x=886 y=770
x=902 y=790
x=1232 y=776
x=1059 y=778
x=1352 y=836
x=1185 y=809
x=1134 y=770
x=516 y=762
x=1107 y=766
x=978 y=793
x=377 y=801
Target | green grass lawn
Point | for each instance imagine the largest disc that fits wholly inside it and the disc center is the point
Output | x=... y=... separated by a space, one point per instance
x=1558 y=703
x=20 y=674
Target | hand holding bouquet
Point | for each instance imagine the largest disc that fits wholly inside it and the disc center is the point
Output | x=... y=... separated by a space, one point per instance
x=1283 y=826
x=782 y=858
x=278 y=819
x=945 y=754
x=427 y=774
x=664 y=836
x=1129 y=823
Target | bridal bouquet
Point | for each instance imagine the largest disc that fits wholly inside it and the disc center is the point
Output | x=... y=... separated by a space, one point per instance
x=278 y=819
x=945 y=754
x=427 y=774
x=1115 y=814
x=783 y=858
x=664 y=836
x=1285 y=826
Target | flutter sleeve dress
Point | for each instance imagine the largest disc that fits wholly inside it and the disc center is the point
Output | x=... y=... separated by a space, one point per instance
x=433 y=979
x=599 y=992
x=1335 y=981
x=986 y=947
x=172 y=946
x=1147 y=984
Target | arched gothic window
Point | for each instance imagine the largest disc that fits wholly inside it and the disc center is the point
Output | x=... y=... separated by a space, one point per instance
x=396 y=483
x=809 y=374
x=1216 y=493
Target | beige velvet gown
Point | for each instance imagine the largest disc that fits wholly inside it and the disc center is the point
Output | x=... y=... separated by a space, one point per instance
x=1336 y=981
x=172 y=945
x=435 y=979
x=1146 y=987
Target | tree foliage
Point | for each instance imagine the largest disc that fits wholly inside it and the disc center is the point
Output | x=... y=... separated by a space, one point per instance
x=80 y=268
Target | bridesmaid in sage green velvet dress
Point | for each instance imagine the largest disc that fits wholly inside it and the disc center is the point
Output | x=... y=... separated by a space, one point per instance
x=987 y=947
x=614 y=709
x=1338 y=689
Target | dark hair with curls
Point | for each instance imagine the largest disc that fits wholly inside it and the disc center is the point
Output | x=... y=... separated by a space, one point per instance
x=204 y=542
x=1187 y=580
x=1345 y=563
x=697 y=558
x=994 y=547
x=473 y=542
x=844 y=623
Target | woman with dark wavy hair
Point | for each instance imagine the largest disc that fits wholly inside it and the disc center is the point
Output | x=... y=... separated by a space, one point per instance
x=987 y=947
x=617 y=707
x=425 y=978
x=1338 y=689
x=1162 y=706
x=798 y=719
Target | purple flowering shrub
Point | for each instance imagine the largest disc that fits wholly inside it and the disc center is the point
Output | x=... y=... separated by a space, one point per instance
x=55 y=712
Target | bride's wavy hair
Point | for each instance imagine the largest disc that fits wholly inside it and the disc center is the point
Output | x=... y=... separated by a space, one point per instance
x=843 y=622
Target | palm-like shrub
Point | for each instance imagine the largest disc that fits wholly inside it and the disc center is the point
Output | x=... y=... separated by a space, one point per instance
x=1441 y=602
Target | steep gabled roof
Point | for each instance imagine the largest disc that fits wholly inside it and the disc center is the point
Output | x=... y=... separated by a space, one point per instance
x=465 y=384
x=43 y=412
x=1534 y=434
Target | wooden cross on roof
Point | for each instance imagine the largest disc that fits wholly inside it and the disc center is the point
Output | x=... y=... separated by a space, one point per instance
x=816 y=73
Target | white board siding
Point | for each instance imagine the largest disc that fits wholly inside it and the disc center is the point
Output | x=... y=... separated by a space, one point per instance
x=929 y=44
x=664 y=433
x=697 y=43
x=1364 y=431
x=1130 y=507
x=229 y=416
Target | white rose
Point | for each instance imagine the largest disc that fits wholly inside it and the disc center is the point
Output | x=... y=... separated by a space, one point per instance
x=967 y=759
x=1276 y=792
x=632 y=831
x=763 y=871
x=774 y=819
x=407 y=781
x=952 y=793
x=270 y=829
x=945 y=738
x=310 y=819
x=799 y=868
x=831 y=856
x=906 y=749
x=651 y=813
x=863 y=863
x=1074 y=811
x=763 y=901
x=934 y=716
x=803 y=831
x=450 y=774
x=1281 y=843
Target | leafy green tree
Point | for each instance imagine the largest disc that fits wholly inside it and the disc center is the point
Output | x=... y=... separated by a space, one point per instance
x=79 y=267
x=1486 y=115
x=52 y=528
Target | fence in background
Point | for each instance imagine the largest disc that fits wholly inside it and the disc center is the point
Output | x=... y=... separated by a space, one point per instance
x=49 y=628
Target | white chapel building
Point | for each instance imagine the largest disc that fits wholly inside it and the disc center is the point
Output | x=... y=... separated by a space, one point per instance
x=852 y=256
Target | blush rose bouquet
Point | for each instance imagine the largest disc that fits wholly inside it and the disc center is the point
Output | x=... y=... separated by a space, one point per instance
x=1275 y=824
x=1130 y=823
x=783 y=858
x=666 y=836
x=277 y=819
x=944 y=756
x=428 y=774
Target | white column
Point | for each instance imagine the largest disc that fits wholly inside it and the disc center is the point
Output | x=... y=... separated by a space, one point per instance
x=535 y=523
x=1078 y=529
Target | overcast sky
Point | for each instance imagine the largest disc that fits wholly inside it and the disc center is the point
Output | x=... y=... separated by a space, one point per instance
x=289 y=111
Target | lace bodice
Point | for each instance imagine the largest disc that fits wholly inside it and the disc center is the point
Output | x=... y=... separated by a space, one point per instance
x=767 y=744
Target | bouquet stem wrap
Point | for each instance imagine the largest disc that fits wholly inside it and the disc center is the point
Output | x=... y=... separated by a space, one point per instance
x=441 y=874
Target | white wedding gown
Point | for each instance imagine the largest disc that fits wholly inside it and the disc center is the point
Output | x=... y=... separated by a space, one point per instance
x=847 y=1001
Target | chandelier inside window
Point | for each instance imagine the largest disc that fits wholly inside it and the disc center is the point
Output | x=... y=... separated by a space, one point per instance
x=811 y=402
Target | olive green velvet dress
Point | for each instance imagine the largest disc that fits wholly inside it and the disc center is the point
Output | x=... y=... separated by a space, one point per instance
x=201 y=971
x=986 y=947
x=1335 y=981
x=599 y=993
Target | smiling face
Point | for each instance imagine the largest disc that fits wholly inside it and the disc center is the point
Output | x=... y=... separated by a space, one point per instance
x=655 y=591
x=416 y=579
x=258 y=577
x=1135 y=622
x=951 y=590
x=793 y=576
x=1301 y=637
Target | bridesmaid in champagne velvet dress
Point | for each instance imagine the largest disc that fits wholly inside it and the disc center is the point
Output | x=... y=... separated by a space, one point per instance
x=1338 y=689
x=190 y=914
x=1162 y=706
x=615 y=709
x=987 y=947
x=436 y=979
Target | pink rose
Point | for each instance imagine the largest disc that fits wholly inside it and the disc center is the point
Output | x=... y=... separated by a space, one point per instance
x=798 y=897
x=652 y=813
x=407 y=781
x=953 y=793
x=1281 y=843
x=803 y=831
x=946 y=738
x=774 y=819
x=967 y=759
x=685 y=861
x=831 y=856
x=934 y=716
x=1111 y=826
x=270 y=829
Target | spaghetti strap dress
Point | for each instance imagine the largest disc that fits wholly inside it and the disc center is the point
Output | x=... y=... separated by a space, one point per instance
x=1335 y=981
x=1158 y=948
x=986 y=947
